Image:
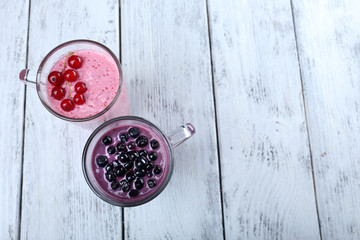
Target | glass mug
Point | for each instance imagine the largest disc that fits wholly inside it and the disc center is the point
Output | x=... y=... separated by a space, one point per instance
x=119 y=171
x=119 y=105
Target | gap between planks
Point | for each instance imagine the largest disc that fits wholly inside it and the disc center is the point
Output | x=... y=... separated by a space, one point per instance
x=120 y=59
x=215 y=113
x=306 y=118
x=23 y=125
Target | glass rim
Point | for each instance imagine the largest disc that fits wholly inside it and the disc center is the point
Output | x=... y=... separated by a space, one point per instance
x=49 y=54
x=142 y=201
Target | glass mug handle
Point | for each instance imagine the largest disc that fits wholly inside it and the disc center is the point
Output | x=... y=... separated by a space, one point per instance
x=181 y=134
x=24 y=78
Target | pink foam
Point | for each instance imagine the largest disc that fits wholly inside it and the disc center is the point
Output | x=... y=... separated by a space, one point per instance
x=101 y=76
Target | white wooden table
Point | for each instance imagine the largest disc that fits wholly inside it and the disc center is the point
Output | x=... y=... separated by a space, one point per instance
x=273 y=88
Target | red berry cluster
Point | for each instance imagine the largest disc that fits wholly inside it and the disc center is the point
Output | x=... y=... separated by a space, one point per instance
x=57 y=79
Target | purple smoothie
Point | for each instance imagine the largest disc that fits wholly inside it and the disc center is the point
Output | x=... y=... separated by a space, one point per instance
x=105 y=148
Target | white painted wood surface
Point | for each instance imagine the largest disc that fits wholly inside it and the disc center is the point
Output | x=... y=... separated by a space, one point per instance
x=265 y=161
x=12 y=58
x=265 y=152
x=57 y=203
x=166 y=60
x=328 y=36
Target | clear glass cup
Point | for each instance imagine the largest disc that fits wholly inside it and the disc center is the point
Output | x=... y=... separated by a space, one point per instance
x=119 y=106
x=169 y=141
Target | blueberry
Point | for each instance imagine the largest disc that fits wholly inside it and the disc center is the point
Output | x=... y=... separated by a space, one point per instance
x=116 y=163
x=109 y=167
x=130 y=177
x=134 y=132
x=149 y=174
x=154 y=144
x=115 y=185
x=139 y=172
x=125 y=185
x=123 y=157
x=133 y=155
x=143 y=153
x=101 y=161
x=107 y=140
x=120 y=171
x=153 y=156
x=121 y=146
x=110 y=176
x=128 y=165
x=151 y=183
x=141 y=162
x=139 y=183
x=133 y=193
x=124 y=137
x=157 y=170
x=111 y=150
x=150 y=166
x=131 y=146
x=142 y=141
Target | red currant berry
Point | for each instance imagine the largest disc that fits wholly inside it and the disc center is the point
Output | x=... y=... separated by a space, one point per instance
x=70 y=75
x=58 y=93
x=75 y=62
x=56 y=78
x=80 y=87
x=67 y=105
x=79 y=99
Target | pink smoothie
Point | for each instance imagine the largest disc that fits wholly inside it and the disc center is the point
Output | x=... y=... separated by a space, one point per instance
x=101 y=76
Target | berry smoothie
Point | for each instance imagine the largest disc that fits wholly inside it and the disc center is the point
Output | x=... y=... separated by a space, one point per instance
x=82 y=83
x=130 y=163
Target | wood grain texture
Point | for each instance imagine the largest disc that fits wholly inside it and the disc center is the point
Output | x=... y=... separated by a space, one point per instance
x=57 y=203
x=166 y=60
x=13 y=32
x=265 y=161
x=328 y=37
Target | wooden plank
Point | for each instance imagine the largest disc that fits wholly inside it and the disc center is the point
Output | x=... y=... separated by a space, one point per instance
x=57 y=203
x=266 y=169
x=165 y=51
x=329 y=49
x=13 y=28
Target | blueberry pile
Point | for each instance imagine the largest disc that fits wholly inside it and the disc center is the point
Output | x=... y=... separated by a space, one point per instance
x=133 y=162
